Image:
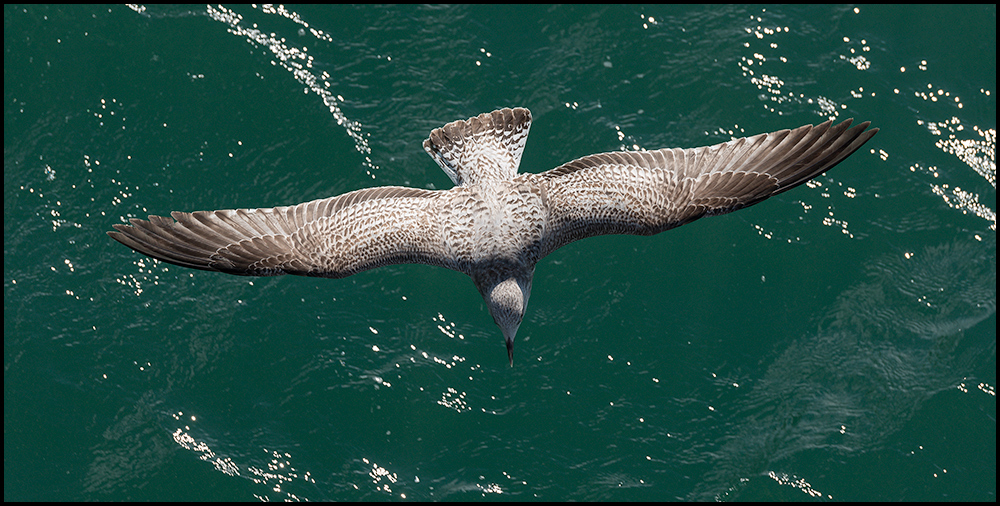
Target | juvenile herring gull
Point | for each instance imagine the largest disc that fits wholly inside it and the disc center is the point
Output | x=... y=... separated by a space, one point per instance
x=495 y=224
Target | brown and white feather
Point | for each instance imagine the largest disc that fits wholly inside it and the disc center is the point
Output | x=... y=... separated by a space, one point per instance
x=647 y=192
x=495 y=224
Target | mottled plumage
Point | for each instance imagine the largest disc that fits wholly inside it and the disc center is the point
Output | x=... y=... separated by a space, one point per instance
x=495 y=224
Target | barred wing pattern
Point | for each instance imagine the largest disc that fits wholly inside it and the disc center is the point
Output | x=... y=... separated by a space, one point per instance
x=334 y=237
x=495 y=225
x=647 y=192
x=481 y=149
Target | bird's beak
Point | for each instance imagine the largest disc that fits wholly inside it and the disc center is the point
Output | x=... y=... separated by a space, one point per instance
x=510 y=351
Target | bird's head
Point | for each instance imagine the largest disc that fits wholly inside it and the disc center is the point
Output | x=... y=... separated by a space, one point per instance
x=507 y=300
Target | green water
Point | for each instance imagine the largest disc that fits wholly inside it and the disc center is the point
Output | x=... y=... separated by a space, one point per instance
x=837 y=341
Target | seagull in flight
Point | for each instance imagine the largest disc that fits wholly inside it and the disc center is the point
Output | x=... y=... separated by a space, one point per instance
x=495 y=224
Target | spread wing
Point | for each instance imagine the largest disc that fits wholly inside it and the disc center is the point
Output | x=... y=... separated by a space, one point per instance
x=333 y=237
x=647 y=192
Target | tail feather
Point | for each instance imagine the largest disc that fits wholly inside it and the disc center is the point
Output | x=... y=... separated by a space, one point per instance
x=483 y=148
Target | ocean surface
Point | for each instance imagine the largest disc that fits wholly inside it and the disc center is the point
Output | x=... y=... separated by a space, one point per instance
x=837 y=341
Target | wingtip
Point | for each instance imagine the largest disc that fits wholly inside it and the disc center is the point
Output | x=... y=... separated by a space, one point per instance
x=120 y=233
